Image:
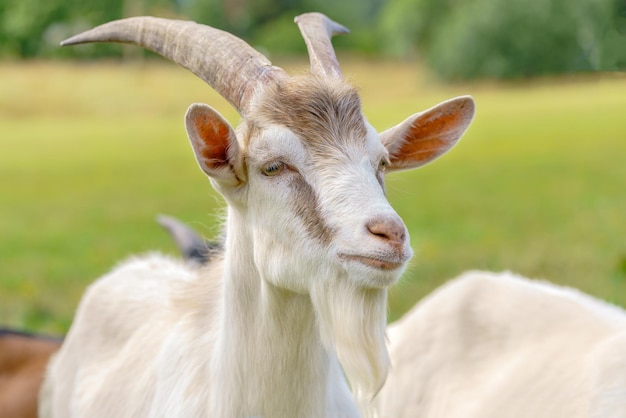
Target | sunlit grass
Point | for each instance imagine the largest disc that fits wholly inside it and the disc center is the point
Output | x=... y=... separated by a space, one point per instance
x=89 y=154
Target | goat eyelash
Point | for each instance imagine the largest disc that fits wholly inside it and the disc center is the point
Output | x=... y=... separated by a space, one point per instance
x=273 y=169
x=383 y=164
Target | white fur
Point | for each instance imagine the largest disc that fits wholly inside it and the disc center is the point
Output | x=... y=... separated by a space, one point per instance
x=154 y=338
x=498 y=345
x=298 y=299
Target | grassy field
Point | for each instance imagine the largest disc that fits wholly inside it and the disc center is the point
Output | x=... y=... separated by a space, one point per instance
x=89 y=154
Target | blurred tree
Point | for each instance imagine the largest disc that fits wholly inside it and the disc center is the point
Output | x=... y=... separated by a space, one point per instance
x=270 y=22
x=507 y=38
x=31 y=28
x=23 y=22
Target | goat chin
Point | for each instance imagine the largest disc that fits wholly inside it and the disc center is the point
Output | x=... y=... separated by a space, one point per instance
x=352 y=323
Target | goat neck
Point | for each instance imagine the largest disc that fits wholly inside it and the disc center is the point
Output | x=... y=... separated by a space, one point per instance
x=269 y=346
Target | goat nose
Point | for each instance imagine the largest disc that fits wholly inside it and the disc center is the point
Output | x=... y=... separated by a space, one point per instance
x=388 y=229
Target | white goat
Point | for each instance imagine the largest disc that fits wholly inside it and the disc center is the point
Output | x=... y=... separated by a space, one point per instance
x=298 y=297
x=492 y=345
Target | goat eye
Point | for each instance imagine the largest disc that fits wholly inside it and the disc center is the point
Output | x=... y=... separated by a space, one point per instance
x=273 y=168
x=382 y=165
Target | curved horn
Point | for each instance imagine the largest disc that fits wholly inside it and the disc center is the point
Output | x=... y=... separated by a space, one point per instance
x=228 y=64
x=317 y=29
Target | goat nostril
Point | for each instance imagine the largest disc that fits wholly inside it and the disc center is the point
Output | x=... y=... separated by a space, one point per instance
x=387 y=229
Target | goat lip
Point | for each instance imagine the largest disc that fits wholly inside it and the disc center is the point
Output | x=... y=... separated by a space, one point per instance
x=375 y=262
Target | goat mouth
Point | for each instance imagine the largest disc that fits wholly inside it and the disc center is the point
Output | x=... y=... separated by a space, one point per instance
x=375 y=262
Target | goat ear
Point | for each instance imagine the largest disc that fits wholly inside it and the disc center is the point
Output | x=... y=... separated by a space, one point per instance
x=425 y=136
x=214 y=143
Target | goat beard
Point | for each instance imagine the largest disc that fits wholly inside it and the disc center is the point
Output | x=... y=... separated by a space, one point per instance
x=352 y=322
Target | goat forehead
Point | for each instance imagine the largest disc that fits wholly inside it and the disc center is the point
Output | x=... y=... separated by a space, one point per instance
x=280 y=143
x=324 y=114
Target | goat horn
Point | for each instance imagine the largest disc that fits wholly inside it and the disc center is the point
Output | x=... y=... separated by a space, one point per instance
x=317 y=29
x=228 y=64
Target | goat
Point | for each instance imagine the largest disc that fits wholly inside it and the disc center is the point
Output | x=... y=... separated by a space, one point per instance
x=297 y=300
x=23 y=359
x=498 y=345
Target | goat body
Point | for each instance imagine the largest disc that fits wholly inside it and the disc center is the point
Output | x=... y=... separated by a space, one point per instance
x=497 y=345
x=23 y=359
x=297 y=299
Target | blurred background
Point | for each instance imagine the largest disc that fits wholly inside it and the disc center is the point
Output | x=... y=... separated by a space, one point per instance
x=458 y=39
x=92 y=145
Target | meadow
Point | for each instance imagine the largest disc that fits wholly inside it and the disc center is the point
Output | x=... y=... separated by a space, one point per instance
x=90 y=153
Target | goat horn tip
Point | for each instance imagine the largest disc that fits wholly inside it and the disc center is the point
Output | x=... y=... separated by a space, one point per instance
x=69 y=41
x=335 y=28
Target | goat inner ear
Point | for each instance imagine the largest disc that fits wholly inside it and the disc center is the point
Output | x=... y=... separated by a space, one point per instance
x=214 y=143
x=425 y=136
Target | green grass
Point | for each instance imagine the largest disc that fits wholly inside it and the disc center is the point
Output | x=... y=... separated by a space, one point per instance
x=90 y=154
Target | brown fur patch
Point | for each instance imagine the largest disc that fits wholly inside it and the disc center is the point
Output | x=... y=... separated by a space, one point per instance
x=325 y=114
x=380 y=176
x=424 y=149
x=215 y=137
x=23 y=361
x=307 y=208
x=431 y=137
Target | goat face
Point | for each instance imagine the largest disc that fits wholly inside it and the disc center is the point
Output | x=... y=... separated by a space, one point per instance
x=305 y=173
x=307 y=178
x=303 y=177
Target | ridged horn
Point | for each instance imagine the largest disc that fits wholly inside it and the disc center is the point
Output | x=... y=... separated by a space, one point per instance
x=228 y=64
x=317 y=30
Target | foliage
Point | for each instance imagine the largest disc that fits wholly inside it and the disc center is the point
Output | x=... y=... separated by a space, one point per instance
x=30 y=28
x=457 y=39
x=509 y=38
